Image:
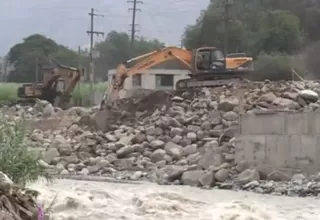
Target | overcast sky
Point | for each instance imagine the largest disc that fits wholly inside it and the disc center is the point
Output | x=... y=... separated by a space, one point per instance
x=66 y=21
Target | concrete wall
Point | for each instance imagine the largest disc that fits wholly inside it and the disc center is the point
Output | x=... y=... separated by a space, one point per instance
x=283 y=141
x=148 y=79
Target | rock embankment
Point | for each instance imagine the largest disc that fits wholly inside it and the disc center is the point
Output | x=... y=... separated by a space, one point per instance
x=188 y=141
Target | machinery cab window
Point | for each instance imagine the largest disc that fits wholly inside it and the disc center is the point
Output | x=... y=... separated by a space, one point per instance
x=60 y=85
x=210 y=60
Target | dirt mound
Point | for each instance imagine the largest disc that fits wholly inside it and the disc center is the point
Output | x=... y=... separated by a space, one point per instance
x=131 y=110
x=150 y=102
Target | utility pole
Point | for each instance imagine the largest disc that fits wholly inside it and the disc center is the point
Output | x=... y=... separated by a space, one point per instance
x=227 y=5
x=37 y=70
x=79 y=66
x=91 y=33
x=134 y=9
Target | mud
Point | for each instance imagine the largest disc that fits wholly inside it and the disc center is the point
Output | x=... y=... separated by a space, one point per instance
x=100 y=200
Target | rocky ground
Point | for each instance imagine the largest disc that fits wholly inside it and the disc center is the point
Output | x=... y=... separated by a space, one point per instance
x=169 y=139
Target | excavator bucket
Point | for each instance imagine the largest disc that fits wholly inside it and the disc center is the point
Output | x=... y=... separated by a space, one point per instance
x=110 y=96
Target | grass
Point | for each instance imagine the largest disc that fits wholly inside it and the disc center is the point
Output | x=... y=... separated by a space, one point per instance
x=8 y=91
x=83 y=90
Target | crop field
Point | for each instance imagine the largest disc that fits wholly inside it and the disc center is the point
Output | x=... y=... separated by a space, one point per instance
x=8 y=91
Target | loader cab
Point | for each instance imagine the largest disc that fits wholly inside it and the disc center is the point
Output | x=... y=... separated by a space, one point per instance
x=209 y=59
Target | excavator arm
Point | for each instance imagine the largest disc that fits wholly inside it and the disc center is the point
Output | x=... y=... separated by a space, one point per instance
x=68 y=75
x=58 y=82
x=143 y=63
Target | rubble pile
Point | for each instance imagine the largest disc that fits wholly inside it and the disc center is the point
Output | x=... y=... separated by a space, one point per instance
x=128 y=111
x=298 y=185
x=187 y=139
x=16 y=203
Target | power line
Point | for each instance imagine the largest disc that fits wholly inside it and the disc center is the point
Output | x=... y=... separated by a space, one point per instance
x=91 y=33
x=134 y=9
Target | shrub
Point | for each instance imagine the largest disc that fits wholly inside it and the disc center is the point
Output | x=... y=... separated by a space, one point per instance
x=20 y=164
x=277 y=67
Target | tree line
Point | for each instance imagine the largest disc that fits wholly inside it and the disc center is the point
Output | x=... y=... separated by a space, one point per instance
x=37 y=50
x=280 y=35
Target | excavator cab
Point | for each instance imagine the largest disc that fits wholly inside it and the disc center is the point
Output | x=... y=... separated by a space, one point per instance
x=209 y=59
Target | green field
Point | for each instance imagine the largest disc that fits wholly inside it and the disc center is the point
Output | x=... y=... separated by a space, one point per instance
x=8 y=91
x=83 y=90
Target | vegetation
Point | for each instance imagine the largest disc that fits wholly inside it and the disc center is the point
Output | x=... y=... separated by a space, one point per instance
x=113 y=50
x=83 y=90
x=276 y=66
x=8 y=91
x=20 y=164
x=37 y=49
x=116 y=48
x=260 y=28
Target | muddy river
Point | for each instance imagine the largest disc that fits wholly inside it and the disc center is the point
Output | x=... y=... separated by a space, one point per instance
x=82 y=200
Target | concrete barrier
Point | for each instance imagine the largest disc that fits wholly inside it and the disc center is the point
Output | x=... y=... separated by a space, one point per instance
x=280 y=141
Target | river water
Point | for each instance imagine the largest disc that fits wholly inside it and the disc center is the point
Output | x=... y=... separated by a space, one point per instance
x=88 y=200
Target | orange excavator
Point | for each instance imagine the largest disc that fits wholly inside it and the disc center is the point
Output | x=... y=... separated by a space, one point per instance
x=208 y=67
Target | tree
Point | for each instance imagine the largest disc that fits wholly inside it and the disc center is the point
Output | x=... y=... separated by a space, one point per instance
x=209 y=30
x=308 y=11
x=116 y=48
x=252 y=26
x=24 y=57
x=281 y=32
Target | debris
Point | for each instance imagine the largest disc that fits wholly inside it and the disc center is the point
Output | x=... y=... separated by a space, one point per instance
x=164 y=137
x=17 y=203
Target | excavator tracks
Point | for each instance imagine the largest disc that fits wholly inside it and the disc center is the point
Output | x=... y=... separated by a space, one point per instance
x=219 y=78
x=187 y=84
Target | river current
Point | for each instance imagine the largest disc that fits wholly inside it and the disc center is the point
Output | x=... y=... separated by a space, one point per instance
x=88 y=200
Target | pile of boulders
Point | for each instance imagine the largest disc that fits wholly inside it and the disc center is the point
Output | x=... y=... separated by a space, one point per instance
x=298 y=185
x=289 y=96
x=190 y=141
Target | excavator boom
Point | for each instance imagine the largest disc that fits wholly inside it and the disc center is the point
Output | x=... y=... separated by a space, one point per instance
x=143 y=63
